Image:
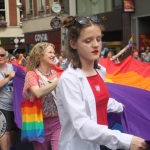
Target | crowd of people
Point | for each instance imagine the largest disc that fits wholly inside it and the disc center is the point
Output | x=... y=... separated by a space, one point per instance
x=78 y=119
x=115 y=57
x=60 y=58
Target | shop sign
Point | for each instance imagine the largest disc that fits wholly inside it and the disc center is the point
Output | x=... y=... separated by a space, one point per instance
x=16 y=40
x=45 y=36
x=128 y=5
x=41 y=37
x=55 y=23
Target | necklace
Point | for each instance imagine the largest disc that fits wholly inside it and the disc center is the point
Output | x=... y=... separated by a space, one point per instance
x=46 y=75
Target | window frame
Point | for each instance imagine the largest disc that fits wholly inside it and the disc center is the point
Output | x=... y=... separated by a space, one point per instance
x=3 y=10
x=117 y=7
x=41 y=2
x=30 y=5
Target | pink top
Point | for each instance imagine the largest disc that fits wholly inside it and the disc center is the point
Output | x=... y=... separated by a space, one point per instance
x=48 y=105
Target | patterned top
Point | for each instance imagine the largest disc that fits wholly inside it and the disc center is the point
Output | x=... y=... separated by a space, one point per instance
x=49 y=107
x=146 y=57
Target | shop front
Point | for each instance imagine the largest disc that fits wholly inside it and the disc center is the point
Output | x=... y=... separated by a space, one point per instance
x=9 y=45
x=51 y=36
x=140 y=25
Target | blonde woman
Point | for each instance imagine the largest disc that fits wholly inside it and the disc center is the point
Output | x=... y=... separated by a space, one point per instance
x=39 y=64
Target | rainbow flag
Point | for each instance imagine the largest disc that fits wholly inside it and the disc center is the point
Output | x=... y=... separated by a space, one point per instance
x=32 y=121
x=129 y=83
x=21 y=60
x=130 y=43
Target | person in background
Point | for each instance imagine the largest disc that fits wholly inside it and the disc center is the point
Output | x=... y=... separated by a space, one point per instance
x=145 y=56
x=82 y=96
x=8 y=57
x=103 y=51
x=135 y=54
x=64 y=62
x=115 y=57
x=104 y=48
x=64 y=55
x=60 y=62
x=7 y=73
x=38 y=66
x=56 y=58
x=17 y=55
x=27 y=57
x=13 y=59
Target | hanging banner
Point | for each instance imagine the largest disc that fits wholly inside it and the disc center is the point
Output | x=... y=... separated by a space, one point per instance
x=128 y=6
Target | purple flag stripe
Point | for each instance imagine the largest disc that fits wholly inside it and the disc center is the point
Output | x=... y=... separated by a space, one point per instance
x=18 y=83
x=135 y=118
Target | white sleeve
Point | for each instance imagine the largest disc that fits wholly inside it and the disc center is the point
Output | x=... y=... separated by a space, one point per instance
x=74 y=105
x=1 y=76
x=114 y=106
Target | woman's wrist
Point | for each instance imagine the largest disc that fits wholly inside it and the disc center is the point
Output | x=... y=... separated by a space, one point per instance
x=127 y=47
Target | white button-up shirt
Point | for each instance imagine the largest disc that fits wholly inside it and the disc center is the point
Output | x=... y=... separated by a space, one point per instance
x=77 y=113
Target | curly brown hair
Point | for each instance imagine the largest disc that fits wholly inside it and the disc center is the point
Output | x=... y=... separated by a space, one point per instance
x=74 y=30
x=35 y=55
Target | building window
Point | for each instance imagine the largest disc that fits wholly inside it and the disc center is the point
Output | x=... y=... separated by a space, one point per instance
x=2 y=10
x=87 y=7
x=3 y=23
x=117 y=4
x=30 y=5
x=41 y=4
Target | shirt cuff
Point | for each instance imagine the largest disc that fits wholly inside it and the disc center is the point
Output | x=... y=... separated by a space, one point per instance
x=125 y=141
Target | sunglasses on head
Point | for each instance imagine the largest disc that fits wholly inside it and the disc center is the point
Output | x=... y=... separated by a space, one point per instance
x=85 y=20
x=2 y=55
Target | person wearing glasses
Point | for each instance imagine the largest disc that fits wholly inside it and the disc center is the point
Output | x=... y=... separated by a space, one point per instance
x=145 y=56
x=8 y=140
x=82 y=96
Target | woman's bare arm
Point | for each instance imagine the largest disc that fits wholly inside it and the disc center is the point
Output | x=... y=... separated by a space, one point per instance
x=120 y=53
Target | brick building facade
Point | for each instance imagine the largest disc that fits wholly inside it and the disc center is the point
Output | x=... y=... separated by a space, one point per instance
x=11 y=15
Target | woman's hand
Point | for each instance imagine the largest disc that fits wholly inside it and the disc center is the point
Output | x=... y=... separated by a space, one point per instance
x=138 y=143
